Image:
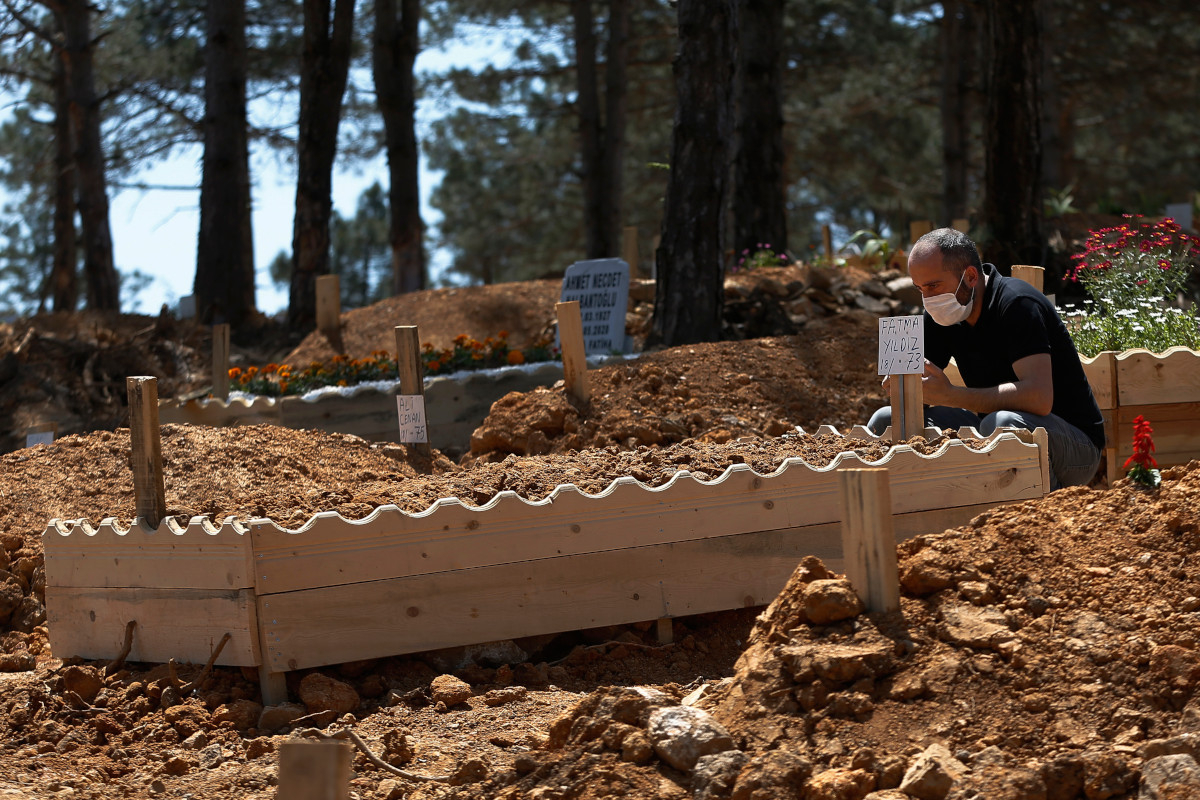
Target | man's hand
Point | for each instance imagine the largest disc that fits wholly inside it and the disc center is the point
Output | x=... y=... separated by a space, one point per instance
x=936 y=389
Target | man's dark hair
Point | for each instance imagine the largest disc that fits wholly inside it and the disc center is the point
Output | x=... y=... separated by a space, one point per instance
x=957 y=249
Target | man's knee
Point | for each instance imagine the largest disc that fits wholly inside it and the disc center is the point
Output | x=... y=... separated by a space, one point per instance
x=880 y=420
x=1002 y=419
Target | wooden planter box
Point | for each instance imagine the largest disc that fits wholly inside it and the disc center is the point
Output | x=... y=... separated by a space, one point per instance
x=454 y=407
x=455 y=574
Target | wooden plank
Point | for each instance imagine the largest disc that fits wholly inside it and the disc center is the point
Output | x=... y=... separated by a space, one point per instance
x=570 y=336
x=220 y=361
x=369 y=413
x=908 y=411
x=329 y=307
x=1144 y=378
x=1034 y=276
x=1101 y=373
x=451 y=535
x=184 y=624
x=918 y=228
x=196 y=556
x=412 y=375
x=868 y=542
x=314 y=770
x=629 y=248
x=412 y=614
x=952 y=373
x=146 y=446
x=272 y=685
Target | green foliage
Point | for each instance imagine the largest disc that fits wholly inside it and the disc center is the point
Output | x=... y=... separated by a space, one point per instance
x=867 y=249
x=1134 y=273
x=763 y=256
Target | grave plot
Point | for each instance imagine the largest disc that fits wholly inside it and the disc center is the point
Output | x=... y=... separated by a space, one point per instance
x=335 y=590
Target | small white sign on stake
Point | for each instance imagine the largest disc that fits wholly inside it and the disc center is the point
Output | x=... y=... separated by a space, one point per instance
x=411 y=409
x=902 y=345
x=39 y=437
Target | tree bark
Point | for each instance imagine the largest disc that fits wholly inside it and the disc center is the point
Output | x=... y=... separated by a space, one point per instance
x=324 y=67
x=590 y=133
x=759 y=184
x=64 y=272
x=224 y=284
x=103 y=286
x=959 y=43
x=1012 y=202
x=396 y=46
x=615 y=92
x=688 y=295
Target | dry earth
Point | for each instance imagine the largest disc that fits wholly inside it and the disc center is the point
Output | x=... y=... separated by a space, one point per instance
x=1045 y=650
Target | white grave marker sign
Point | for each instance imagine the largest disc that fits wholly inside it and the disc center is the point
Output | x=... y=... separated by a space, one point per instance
x=602 y=289
x=902 y=345
x=411 y=411
x=39 y=437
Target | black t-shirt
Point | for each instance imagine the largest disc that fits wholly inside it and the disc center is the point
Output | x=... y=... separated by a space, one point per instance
x=1017 y=321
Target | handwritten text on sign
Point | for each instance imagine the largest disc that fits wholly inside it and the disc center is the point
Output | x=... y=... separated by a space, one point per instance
x=902 y=345
x=411 y=408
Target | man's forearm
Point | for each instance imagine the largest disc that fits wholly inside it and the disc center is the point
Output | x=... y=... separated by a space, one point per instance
x=1005 y=397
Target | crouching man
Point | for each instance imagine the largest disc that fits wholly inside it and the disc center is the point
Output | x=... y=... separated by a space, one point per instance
x=1015 y=356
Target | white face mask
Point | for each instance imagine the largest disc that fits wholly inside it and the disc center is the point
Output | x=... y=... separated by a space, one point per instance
x=945 y=308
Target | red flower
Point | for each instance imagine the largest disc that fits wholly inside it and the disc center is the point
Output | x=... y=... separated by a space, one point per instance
x=1141 y=466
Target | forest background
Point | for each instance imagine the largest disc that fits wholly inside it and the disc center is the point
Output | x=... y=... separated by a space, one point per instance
x=861 y=113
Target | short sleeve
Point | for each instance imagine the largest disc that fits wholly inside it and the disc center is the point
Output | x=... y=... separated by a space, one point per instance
x=1026 y=333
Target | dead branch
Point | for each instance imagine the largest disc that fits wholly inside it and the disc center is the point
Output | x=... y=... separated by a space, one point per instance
x=172 y=675
x=190 y=686
x=119 y=661
x=346 y=733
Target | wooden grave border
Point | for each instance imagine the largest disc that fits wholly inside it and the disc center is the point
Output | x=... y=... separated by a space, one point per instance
x=454 y=574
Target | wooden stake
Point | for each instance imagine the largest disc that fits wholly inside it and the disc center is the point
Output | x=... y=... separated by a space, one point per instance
x=868 y=540
x=665 y=630
x=412 y=376
x=961 y=225
x=1034 y=276
x=629 y=248
x=147 y=449
x=908 y=410
x=570 y=338
x=220 y=361
x=273 y=686
x=827 y=239
x=918 y=228
x=329 y=306
x=314 y=770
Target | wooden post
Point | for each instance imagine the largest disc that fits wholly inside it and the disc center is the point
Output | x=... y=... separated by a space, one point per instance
x=329 y=306
x=827 y=240
x=314 y=770
x=908 y=410
x=629 y=248
x=412 y=376
x=1042 y=439
x=273 y=686
x=570 y=338
x=961 y=225
x=147 y=449
x=868 y=541
x=918 y=228
x=220 y=358
x=1034 y=276
x=665 y=630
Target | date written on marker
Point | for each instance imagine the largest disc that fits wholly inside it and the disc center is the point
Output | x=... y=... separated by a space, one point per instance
x=902 y=345
x=411 y=410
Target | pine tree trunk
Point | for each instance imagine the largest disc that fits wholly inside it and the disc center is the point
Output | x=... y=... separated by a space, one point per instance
x=103 y=286
x=688 y=295
x=325 y=65
x=1012 y=202
x=959 y=42
x=615 y=91
x=64 y=277
x=588 y=109
x=395 y=51
x=224 y=284
x=759 y=182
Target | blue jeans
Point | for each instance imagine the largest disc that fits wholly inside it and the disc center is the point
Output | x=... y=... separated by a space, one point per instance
x=1074 y=458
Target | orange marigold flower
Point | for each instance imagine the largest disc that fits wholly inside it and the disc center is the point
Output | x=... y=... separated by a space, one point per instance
x=342 y=382
x=251 y=372
x=503 y=334
x=270 y=368
x=516 y=357
x=234 y=373
x=462 y=338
